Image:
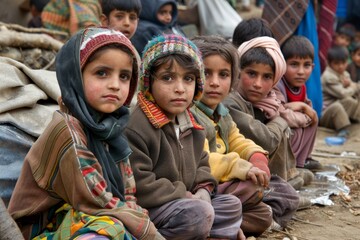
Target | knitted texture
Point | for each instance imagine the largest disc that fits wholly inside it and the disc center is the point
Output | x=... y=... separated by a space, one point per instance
x=95 y=38
x=165 y=45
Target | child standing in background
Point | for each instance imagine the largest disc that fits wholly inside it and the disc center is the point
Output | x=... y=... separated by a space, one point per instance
x=156 y=17
x=121 y=15
x=171 y=168
x=238 y=163
x=76 y=181
x=298 y=52
x=340 y=94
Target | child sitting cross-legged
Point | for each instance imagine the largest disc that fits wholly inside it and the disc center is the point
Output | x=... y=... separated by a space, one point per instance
x=171 y=168
x=240 y=165
x=76 y=181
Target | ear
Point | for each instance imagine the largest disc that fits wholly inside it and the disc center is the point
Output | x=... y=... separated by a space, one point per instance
x=313 y=66
x=104 y=20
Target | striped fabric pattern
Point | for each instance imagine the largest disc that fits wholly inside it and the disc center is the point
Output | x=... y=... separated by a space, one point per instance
x=326 y=29
x=157 y=118
x=284 y=16
x=71 y=15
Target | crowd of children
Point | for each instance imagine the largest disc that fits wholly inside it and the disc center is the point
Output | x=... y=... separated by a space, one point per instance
x=218 y=142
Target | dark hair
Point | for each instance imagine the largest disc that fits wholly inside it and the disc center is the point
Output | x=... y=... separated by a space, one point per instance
x=39 y=4
x=337 y=53
x=297 y=46
x=347 y=29
x=108 y=6
x=249 y=29
x=183 y=60
x=355 y=47
x=217 y=45
x=257 y=55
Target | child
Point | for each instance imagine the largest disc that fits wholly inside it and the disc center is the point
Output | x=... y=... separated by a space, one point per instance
x=121 y=15
x=156 y=17
x=272 y=134
x=298 y=52
x=340 y=94
x=354 y=67
x=237 y=163
x=76 y=181
x=250 y=28
x=344 y=35
x=170 y=166
x=36 y=7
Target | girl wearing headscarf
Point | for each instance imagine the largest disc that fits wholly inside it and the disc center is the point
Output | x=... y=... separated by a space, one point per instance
x=76 y=181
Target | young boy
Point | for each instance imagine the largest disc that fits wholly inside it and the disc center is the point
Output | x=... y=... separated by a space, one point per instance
x=237 y=162
x=340 y=94
x=156 y=17
x=354 y=67
x=171 y=168
x=298 y=52
x=121 y=15
x=76 y=181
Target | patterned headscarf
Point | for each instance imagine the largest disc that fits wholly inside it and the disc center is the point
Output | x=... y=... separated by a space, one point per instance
x=98 y=127
x=165 y=45
x=273 y=48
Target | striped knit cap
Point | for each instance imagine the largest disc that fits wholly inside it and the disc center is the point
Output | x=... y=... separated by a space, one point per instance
x=165 y=45
x=95 y=38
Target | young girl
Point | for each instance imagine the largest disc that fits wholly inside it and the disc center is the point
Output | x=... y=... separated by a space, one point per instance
x=76 y=180
x=237 y=162
x=170 y=166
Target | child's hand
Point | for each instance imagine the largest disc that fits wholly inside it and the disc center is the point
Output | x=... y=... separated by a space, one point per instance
x=203 y=195
x=346 y=82
x=304 y=108
x=258 y=176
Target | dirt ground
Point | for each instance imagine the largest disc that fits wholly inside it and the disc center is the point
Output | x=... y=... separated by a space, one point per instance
x=338 y=221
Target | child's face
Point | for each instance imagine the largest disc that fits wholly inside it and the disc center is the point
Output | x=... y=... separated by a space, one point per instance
x=164 y=14
x=107 y=82
x=218 y=80
x=256 y=81
x=339 y=66
x=355 y=57
x=173 y=89
x=125 y=22
x=342 y=40
x=298 y=71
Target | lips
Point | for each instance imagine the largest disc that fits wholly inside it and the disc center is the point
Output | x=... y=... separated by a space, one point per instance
x=214 y=94
x=112 y=97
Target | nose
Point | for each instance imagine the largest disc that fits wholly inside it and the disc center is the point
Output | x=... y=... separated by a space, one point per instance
x=114 y=83
x=213 y=81
x=126 y=21
x=179 y=87
x=257 y=82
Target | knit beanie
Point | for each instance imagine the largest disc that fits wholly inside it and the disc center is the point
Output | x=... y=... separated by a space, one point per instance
x=165 y=45
x=273 y=48
x=95 y=38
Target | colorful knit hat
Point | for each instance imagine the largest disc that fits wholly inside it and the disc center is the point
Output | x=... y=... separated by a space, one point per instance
x=95 y=38
x=273 y=48
x=165 y=45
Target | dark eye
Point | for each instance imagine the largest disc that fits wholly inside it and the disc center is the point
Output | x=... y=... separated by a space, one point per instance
x=224 y=74
x=101 y=73
x=268 y=77
x=166 y=78
x=125 y=77
x=190 y=78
